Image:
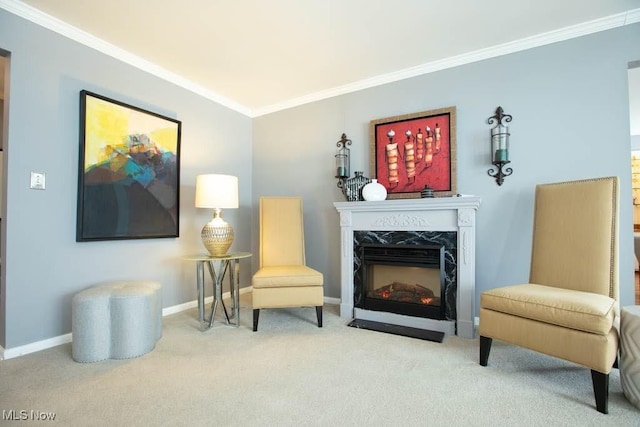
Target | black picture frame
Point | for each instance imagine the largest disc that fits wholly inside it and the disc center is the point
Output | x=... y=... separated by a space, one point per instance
x=129 y=172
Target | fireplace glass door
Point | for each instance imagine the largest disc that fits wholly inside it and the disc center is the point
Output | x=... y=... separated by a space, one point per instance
x=403 y=279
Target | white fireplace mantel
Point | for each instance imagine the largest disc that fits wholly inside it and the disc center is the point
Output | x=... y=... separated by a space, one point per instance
x=430 y=214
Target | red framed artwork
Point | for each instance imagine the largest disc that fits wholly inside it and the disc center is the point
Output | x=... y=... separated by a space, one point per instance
x=412 y=151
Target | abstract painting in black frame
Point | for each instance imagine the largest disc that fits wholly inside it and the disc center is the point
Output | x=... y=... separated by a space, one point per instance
x=129 y=172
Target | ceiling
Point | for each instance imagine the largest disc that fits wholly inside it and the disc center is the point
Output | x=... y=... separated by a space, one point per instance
x=259 y=56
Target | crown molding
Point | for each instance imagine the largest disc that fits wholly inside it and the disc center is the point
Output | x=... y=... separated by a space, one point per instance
x=633 y=16
x=566 y=33
x=47 y=21
x=40 y=18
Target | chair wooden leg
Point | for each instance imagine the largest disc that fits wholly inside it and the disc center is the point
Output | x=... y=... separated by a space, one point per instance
x=485 y=348
x=601 y=390
x=319 y=314
x=256 y=315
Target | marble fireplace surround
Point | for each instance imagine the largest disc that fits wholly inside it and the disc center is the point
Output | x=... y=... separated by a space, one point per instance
x=456 y=214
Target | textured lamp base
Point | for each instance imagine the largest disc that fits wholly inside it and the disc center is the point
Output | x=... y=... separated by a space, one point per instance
x=217 y=235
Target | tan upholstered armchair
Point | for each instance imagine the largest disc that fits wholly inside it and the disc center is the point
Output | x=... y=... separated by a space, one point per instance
x=284 y=279
x=569 y=307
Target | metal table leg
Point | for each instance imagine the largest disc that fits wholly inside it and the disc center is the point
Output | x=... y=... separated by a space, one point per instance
x=235 y=291
x=200 y=285
x=217 y=269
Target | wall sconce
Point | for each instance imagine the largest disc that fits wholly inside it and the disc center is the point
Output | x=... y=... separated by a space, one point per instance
x=351 y=187
x=342 y=161
x=499 y=145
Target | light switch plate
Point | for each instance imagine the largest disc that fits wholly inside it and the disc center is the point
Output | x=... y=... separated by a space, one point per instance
x=37 y=180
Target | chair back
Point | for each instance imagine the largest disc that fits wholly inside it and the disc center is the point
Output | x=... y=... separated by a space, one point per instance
x=575 y=236
x=281 y=231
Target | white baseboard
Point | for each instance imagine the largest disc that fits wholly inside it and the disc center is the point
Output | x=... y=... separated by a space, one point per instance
x=328 y=300
x=10 y=353
x=192 y=304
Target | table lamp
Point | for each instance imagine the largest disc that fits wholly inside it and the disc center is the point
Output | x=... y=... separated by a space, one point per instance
x=217 y=192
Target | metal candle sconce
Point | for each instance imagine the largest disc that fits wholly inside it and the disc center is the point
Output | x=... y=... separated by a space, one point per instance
x=342 y=159
x=343 y=164
x=351 y=187
x=499 y=145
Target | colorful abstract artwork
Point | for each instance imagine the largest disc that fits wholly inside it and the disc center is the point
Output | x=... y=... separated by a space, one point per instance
x=415 y=151
x=129 y=174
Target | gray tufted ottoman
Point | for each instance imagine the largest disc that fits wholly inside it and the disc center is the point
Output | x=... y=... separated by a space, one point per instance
x=116 y=320
x=630 y=353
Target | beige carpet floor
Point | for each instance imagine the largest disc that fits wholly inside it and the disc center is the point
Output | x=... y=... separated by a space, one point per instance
x=292 y=373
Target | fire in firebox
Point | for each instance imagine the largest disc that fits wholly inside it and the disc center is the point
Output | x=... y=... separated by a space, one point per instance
x=404 y=292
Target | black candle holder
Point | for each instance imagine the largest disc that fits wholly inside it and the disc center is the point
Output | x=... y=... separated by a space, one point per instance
x=500 y=174
x=500 y=146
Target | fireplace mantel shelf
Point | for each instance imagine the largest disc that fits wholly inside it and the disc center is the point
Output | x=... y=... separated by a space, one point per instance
x=411 y=204
x=432 y=214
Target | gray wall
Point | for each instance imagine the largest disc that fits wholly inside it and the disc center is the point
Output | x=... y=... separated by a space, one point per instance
x=570 y=110
x=43 y=265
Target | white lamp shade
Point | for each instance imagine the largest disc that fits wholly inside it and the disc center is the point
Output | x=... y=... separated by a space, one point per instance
x=216 y=191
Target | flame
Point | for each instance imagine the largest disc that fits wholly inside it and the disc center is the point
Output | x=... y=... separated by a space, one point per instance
x=426 y=300
x=386 y=294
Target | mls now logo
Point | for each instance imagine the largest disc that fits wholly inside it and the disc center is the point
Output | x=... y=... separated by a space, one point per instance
x=23 y=415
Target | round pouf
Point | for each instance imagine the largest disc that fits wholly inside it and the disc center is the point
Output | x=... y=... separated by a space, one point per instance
x=630 y=353
x=116 y=320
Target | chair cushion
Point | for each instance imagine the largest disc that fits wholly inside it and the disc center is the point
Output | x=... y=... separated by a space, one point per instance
x=286 y=276
x=579 y=310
